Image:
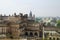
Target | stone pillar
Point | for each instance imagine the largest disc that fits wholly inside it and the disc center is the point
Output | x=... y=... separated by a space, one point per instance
x=38 y=34
x=33 y=34
x=28 y=33
x=43 y=33
x=55 y=38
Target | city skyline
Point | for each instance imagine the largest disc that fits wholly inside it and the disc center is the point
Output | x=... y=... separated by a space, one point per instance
x=38 y=7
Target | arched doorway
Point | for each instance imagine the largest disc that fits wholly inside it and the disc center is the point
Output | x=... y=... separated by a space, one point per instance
x=35 y=34
x=50 y=38
x=26 y=33
x=40 y=34
x=31 y=34
x=53 y=38
x=57 y=38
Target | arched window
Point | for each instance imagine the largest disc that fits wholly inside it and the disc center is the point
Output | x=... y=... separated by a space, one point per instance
x=40 y=34
x=26 y=33
x=57 y=38
x=36 y=34
x=11 y=37
x=53 y=38
x=50 y=38
x=31 y=34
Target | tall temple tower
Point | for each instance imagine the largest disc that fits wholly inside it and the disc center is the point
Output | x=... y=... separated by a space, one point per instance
x=30 y=15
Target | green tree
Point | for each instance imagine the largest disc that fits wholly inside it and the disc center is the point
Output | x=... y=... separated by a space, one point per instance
x=58 y=23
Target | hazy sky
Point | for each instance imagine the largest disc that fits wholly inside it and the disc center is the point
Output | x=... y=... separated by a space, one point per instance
x=38 y=7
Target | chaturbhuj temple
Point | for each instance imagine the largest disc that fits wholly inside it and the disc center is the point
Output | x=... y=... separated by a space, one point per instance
x=24 y=26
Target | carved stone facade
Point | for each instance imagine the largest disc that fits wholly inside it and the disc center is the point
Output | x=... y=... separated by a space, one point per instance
x=17 y=26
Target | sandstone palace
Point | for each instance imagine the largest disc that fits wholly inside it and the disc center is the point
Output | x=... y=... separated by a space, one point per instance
x=19 y=26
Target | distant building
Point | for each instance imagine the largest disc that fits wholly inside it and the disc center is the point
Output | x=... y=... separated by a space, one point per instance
x=50 y=21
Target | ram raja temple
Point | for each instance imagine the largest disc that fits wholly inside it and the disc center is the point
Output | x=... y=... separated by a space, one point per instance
x=24 y=26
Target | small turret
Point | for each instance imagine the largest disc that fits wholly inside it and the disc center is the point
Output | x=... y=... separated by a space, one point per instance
x=9 y=15
x=0 y=15
x=26 y=16
x=33 y=17
x=15 y=14
x=20 y=15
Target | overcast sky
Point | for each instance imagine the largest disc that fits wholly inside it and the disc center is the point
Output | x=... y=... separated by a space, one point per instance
x=38 y=7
